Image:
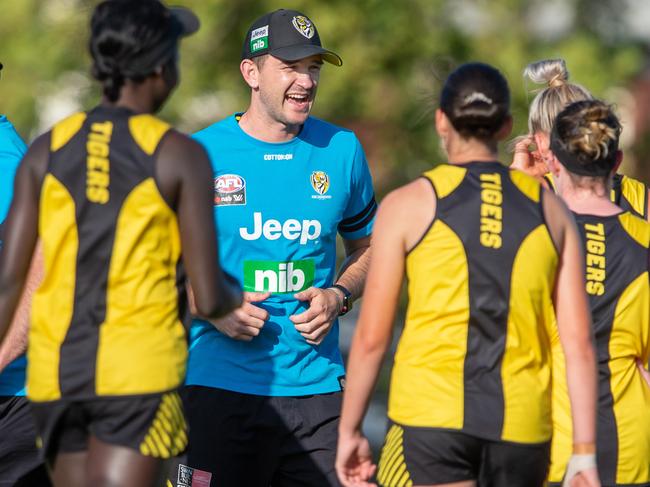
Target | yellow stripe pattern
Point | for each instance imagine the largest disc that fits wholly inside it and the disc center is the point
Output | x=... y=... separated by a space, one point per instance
x=635 y=192
x=427 y=381
x=167 y=436
x=53 y=302
x=525 y=370
x=65 y=130
x=629 y=339
x=392 y=470
x=147 y=131
x=142 y=347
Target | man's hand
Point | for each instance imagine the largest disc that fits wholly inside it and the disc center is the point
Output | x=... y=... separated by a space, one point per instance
x=316 y=321
x=245 y=322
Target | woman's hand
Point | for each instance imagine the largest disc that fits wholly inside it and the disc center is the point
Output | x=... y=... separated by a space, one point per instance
x=354 y=465
x=528 y=159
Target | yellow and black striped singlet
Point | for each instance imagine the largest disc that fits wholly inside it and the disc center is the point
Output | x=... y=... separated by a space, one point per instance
x=628 y=193
x=474 y=355
x=617 y=283
x=106 y=320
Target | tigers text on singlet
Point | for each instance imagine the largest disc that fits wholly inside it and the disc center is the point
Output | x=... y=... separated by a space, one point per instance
x=106 y=320
x=616 y=252
x=474 y=355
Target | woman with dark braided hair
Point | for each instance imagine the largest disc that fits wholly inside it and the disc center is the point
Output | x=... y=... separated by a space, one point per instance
x=114 y=194
x=584 y=145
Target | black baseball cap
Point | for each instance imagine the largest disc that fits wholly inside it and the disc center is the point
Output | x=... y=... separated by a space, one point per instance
x=185 y=21
x=288 y=35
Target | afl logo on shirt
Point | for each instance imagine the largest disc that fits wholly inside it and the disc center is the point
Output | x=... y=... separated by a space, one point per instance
x=320 y=181
x=229 y=189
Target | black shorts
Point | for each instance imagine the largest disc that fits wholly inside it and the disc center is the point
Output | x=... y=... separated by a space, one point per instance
x=248 y=440
x=426 y=456
x=20 y=460
x=153 y=425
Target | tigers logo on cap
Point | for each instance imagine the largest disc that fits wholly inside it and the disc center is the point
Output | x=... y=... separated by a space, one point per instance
x=303 y=25
x=320 y=181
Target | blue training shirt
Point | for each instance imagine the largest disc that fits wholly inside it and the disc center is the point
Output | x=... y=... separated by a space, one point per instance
x=278 y=208
x=12 y=149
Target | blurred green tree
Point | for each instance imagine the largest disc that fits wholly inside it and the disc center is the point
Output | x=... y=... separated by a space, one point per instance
x=395 y=55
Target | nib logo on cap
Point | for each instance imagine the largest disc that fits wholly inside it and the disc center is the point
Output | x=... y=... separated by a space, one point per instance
x=260 y=39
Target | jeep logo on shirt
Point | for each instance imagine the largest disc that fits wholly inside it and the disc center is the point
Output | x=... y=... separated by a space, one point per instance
x=278 y=277
x=273 y=229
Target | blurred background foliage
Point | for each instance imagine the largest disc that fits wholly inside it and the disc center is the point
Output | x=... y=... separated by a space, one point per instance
x=396 y=53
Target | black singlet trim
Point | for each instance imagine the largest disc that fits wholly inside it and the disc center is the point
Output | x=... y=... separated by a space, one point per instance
x=433 y=220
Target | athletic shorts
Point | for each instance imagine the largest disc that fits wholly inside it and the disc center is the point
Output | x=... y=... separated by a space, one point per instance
x=256 y=441
x=645 y=484
x=153 y=425
x=425 y=456
x=20 y=460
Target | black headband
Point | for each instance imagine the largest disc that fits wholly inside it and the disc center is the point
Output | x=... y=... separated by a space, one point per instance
x=596 y=167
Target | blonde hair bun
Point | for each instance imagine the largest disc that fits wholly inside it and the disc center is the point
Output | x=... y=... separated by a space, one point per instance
x=557 y=94
x=551 y=72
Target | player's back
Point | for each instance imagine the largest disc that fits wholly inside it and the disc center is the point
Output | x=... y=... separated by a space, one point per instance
x=617 y=256
x=474 y=353
x=105 y=320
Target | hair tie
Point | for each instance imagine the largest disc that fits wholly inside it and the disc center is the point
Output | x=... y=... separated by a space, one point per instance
x=477 y=96
x=557 y=80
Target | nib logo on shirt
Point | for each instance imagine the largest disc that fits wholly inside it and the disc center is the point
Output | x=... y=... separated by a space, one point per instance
x=278 y=277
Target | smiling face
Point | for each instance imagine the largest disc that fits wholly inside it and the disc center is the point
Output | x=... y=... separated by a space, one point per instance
x=286 y=90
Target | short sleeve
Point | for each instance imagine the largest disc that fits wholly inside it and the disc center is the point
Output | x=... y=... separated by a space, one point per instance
x=12 y=150
x=360 y=211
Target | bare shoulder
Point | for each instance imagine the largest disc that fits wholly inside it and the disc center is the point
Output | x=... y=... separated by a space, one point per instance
x=37 y=157
x=176 y=143
x=407 y=212
x=406 y=199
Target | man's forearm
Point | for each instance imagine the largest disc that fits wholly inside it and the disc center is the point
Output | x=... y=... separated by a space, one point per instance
x=354 y=269
x=15 y=342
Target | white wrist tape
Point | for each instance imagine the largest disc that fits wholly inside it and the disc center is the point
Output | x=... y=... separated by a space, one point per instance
x=578 y=463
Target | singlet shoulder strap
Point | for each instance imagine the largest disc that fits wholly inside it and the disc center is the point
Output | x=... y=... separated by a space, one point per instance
x=147 y=131
x=634 y=192
x=549 y=179
x=636 y=228
x=526 y=184
x=65 y=130
x=445 y=179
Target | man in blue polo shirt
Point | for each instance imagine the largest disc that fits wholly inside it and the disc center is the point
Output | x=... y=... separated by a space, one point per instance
x=19 y=457
x=264 y=384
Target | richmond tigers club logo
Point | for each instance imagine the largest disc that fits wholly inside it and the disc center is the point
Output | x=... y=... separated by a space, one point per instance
x=303 y=25
x=320 y=181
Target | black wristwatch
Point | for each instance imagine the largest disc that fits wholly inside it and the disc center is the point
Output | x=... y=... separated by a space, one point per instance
x=347 y=302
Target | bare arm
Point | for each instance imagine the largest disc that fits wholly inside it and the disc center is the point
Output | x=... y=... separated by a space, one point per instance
x=354 y=269
x=185 y=178
x=21 y=230
x=15 y=343
x=397 y=228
